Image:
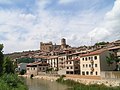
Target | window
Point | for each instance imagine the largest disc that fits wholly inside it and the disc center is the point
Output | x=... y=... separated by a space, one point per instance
x=40 y=68
x=76 y=67
x=71 y=67
x=43 y=68
x=95 y=65
x=67 y=67
x=71 y=72
x=89 y=65
x=91 y=73
x=67 y=72
x=96 y=72
x=27 y=68
x=86 y=65
x=34 y=68
x=89 y=58
x=83 y=65
x=95 y=57
x=83 y=59
x=86 y=58
x=67 y=62
x=83 y=73
x=70 y=62
x=87 y=73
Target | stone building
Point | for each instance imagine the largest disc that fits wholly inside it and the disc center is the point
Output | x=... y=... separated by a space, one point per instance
x=48 y=47
x=37 y=68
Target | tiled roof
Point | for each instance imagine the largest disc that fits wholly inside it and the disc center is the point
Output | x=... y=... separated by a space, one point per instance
x=113 y=48
x=41 y=57
x=37 y=63
x=52 y=57
x=93 y=53
x=75 y=59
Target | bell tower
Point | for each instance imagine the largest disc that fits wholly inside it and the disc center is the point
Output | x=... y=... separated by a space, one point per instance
x=63 y=43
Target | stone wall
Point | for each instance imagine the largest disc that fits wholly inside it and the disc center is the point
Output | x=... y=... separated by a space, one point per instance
x=110 y=75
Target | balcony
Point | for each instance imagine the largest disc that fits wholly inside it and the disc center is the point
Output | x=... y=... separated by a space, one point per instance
x=92 y=69
x=91 y=61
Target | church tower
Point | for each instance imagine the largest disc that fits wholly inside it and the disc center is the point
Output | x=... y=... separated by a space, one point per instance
x=63 y=43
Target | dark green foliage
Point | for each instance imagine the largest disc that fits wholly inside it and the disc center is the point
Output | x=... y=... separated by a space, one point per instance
x=11 y=82
x=8 y=66
x=101 y=43
x=1 y=58
x=110 y=59
x=8 y=79
x=25 y=60
x=79 y=86
x=22 y=72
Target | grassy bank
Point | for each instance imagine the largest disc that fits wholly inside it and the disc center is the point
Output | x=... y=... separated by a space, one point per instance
x=79 y=86
x=12 y=82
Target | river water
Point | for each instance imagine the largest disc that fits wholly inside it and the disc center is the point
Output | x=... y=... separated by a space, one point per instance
x=39 y=84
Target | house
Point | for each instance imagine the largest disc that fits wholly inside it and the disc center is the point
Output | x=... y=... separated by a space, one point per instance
x=94 y=63
x=53 y=62
x=73 y=64
x=61 y=64
x=37 y=68
x=62 y=58
x=22 y=66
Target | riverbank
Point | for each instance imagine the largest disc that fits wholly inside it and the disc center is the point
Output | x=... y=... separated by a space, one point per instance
x=80 y=86
x=44 y=77
x=109 y=83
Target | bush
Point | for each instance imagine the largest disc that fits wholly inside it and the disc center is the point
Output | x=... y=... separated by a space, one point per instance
x=79 y=86
x=11 y=82
x=22 y=72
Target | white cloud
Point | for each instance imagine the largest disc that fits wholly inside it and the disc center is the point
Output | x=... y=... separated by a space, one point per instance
x=109 y=28
x=24 y=31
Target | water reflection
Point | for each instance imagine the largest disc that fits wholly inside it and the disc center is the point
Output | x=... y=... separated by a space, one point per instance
x=39 y=84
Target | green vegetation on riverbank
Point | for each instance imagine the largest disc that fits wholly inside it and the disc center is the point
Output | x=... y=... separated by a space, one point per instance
x=79 y=86
x=11 y=82
x=8 y=79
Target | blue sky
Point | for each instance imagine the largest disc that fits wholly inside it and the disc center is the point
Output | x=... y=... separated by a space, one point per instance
x=24 y=24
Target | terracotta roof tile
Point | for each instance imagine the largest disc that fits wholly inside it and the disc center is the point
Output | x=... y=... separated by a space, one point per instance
x=93 y=53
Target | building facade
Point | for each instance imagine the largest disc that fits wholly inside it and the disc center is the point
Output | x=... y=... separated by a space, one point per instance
x=73 y=64
x=53 y=62
x=95 y=62
x=37 y=68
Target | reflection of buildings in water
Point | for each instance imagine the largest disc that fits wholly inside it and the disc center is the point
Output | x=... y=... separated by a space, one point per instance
x=39 y=84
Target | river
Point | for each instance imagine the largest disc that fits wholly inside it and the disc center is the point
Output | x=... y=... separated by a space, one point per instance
x=39 y=84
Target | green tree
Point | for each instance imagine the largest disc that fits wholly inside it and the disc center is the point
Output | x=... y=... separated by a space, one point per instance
x=101 y=43
x=1 y=58
x=8 y=66
x=113 y=58
x=117 y=60
x=25 y=60
x=110 y=59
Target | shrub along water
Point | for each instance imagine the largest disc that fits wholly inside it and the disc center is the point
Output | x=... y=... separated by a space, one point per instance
x=8 y=79
x=11 y=82
x=79 y=86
